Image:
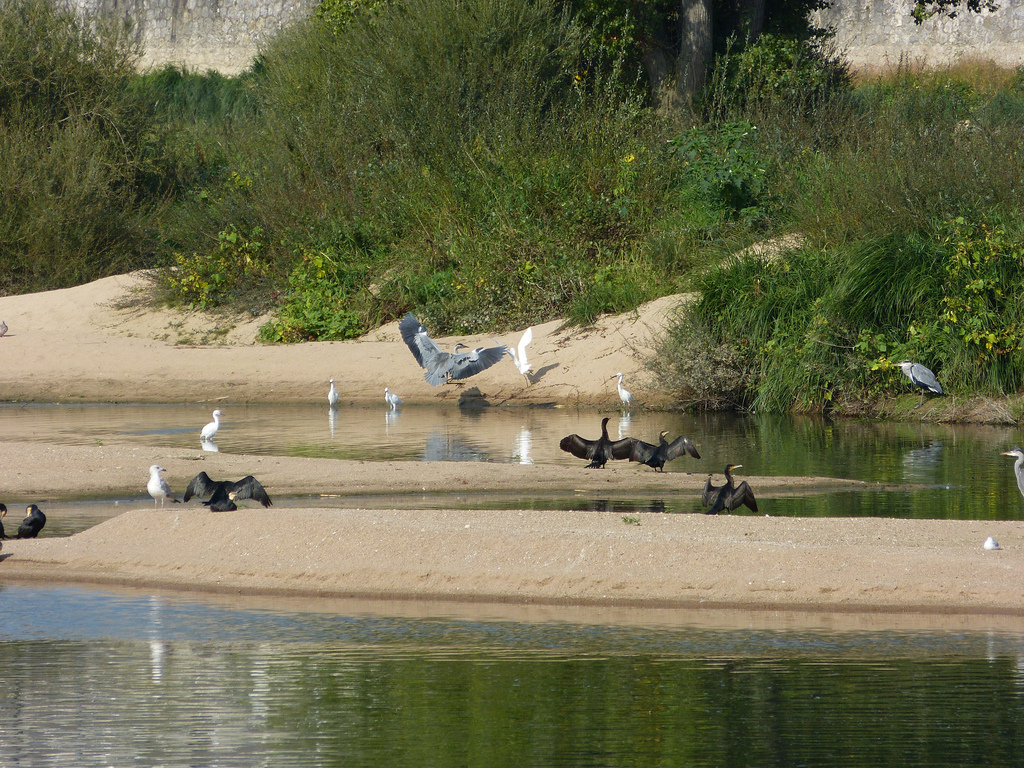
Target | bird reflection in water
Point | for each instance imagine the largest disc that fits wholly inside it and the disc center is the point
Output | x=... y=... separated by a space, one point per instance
x=332 y=419
x=209 y=445
x=524 y=446
x=625 y=421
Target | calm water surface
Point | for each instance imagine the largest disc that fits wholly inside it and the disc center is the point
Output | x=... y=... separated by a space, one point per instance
x=94 y=678
x=941 y=471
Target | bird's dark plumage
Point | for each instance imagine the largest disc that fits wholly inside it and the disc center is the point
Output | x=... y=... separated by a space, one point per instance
x=223 y=493
x=3 y=514
x=444 y=366
x=32 y=524
x=654 y=455
x=728 y=496
x=598 y=451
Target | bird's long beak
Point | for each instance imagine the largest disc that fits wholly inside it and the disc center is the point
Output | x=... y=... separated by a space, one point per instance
x=1008 y=453
x=736 y=466
x=3 y=513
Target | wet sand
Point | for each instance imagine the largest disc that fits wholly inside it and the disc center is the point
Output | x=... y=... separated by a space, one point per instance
x=79 y=345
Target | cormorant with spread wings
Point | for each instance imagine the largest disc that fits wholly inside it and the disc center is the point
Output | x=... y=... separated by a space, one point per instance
x=224 y=493
x=728 y=496
x=655 y=456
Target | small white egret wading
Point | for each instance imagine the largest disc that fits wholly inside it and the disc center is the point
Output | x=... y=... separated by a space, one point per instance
x=158 y=487
x=332 y=395
x=211 y=429
x=392 y=399
x=922 y=378
x=444 y=366
x=624 y=394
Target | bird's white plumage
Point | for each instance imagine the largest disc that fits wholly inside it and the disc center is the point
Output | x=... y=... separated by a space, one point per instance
x=991 y=543
x=392 y=399
x=518 y=355
x=211 y=429
x=332 y=395
x=624 y=394
x=157 y=486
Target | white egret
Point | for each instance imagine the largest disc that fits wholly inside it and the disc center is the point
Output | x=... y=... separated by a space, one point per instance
x=445 y=366
x=332 y=395
x=211 y=429
x=158 y=487
x=392 y=399
x=922 y=378
x=519 y=357
x=624 y=394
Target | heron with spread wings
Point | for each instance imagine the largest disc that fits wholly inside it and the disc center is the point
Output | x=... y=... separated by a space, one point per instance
x=444 y=366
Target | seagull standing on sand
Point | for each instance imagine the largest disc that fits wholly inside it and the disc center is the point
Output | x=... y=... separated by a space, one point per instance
x=211 y=429
x=392 y=399
x=158 y=487
x=332 y=395
x=3 y=328
x=624 y=394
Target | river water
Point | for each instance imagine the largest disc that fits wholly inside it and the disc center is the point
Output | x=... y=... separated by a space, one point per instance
x=96 y=677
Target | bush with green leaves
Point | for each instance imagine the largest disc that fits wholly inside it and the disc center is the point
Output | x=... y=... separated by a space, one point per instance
x=71 y=147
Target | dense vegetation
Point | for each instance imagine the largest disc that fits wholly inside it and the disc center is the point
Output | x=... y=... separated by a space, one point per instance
x=501 y=163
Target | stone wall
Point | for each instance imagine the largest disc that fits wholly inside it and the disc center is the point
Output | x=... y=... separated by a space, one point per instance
x=875 y=34
x=226 y=35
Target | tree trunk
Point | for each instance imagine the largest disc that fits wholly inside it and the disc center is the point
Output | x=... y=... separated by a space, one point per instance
x=694 y=47
x=752 y=18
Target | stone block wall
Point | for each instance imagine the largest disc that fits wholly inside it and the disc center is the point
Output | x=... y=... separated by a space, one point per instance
x=225 y=35
x=875 y=34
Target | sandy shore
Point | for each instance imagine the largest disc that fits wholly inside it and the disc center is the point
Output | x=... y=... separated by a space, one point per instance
x=91 y=343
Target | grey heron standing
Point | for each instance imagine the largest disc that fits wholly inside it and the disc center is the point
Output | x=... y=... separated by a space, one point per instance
x=654 y=455
x=444 y=366
x=728 y=496
x=922 y=378
x=1017 y=471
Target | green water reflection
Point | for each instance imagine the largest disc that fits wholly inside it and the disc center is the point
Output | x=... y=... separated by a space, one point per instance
x=91 y=679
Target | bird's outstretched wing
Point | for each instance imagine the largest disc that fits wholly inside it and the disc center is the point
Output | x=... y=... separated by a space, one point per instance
x=741 y=495
x=679 y=446
x=707 y=498
x=249 y=488
x=633 y=449
x=466 y=364
x=578 y=446
x=521 y=362
x=201 y=485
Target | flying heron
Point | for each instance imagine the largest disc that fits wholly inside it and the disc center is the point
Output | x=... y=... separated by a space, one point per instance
x=921 y=378
x=444 y=366
x=158 y=487
x=728 y=496
x=211 y=429
x=224 y=493
x=33 y=522
x=332 y=395
x=392 y=399
x=518 y=355
x=598 y=451
x=654 y=455
x=624 y=394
